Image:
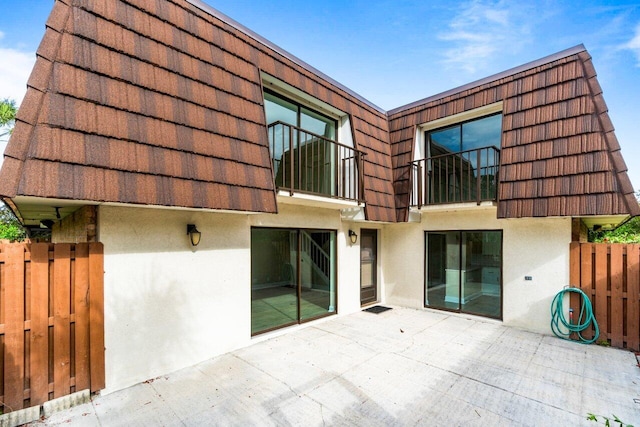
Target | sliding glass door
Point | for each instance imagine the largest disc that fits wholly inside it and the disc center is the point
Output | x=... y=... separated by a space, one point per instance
x=463 y=271
x=292 y=277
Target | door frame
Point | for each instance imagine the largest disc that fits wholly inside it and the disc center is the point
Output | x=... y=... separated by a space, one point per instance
x=459 y=309
x=375 y=273
x=297 y=277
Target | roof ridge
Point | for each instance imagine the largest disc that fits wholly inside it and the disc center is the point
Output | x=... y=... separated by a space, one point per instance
x=230 y=21
x=515 y=70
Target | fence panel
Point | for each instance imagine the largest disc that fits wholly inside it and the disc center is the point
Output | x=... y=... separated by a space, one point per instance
x=51 y=322
x=610 y=275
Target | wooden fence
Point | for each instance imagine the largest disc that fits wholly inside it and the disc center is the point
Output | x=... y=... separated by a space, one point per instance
x=51 y=322
x=610 y=275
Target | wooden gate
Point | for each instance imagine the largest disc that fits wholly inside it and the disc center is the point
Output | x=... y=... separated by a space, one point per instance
x=51 y=322
x=610 y=275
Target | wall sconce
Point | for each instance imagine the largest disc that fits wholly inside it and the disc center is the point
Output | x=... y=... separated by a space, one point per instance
x=353 y=237
x=46 y=223
x=194 y=234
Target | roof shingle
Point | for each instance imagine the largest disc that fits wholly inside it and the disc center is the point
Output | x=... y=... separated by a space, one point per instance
x=559 y=154
x=160 y=103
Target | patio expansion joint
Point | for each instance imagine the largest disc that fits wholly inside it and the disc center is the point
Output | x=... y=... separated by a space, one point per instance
x=166 y=404
x=249 y=362
x=514 y=393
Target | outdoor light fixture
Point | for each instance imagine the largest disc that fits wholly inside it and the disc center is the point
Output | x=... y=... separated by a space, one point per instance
x=46 y=223
x=194 y=234
x=353 y=237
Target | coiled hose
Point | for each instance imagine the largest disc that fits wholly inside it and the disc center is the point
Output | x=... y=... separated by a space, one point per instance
x=584 y=320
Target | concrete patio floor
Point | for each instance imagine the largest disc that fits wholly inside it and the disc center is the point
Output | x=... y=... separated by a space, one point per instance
x=400 y=367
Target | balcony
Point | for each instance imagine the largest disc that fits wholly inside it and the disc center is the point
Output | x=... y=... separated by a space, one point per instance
x=466 y=176
x=308 y=163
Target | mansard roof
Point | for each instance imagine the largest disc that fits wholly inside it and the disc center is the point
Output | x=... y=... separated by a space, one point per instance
x=559 y=154
x=160 y=103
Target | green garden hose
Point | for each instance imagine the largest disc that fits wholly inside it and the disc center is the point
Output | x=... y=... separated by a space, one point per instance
x=563 y=329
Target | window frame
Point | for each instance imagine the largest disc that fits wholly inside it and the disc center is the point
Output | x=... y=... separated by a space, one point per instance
x=299 y=106
x=425 y=272
x=299 y=320
x=460 y=124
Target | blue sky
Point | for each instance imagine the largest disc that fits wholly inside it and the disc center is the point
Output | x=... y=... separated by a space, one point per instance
x=393 y=52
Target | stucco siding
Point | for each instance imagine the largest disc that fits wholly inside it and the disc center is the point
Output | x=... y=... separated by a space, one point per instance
x=538 y=248
x=169 y=306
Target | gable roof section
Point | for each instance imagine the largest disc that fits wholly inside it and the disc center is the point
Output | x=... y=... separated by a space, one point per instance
x=559 y=154
x=160 y=103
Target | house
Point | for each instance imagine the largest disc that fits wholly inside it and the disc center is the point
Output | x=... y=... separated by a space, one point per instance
x=151 y=126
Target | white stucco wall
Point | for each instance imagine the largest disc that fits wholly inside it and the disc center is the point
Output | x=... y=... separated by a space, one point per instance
x=531 y=247
x=169 y=306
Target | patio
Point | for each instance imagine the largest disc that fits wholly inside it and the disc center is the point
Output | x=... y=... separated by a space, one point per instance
x=399 y=367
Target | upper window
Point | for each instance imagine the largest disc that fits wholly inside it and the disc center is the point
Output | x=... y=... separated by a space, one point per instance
x=460 y=164
x=470 y=135
x=284 y=110
x=305 y=152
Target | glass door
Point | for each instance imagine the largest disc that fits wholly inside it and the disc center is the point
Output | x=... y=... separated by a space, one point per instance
x=368 y=266
x=292 y=277
x=274 y=265
x=463 y=271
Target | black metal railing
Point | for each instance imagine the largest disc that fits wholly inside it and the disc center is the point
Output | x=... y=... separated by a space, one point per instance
x=310 y=163
x=466 y=176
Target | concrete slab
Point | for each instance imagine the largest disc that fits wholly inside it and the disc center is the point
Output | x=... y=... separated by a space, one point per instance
x=400 y=367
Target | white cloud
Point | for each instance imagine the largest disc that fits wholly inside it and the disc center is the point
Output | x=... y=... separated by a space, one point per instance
x=634 y=44
x=482 y=30
x=15 y=68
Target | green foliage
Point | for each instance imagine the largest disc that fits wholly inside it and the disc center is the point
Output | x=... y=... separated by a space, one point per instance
x=10 y=227
x=8 y=112
x=607 y=421
x=626 y=233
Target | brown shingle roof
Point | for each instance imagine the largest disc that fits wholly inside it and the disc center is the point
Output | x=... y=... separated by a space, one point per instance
x=559 y=154
x=160 y=103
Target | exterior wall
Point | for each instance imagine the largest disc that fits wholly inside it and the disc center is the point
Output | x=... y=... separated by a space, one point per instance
x=169 y=306
x=531 y=247
x=79 y=227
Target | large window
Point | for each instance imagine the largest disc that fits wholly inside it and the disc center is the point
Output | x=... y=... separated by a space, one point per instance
x=462 y=161
x=279 y=108
x=470 y=135
x=292 y=277
x=463 y=271
x=302 y=145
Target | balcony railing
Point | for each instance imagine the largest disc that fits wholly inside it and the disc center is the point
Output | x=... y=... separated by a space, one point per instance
x=310 y=163
x=466 y=176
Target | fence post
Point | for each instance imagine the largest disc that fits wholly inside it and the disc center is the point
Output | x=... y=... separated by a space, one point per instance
x=633 y=297
x=96 y=315
x=81 y=310
x=39 y=357
x=616 y=300
x=61 y=317
x=14 y=327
